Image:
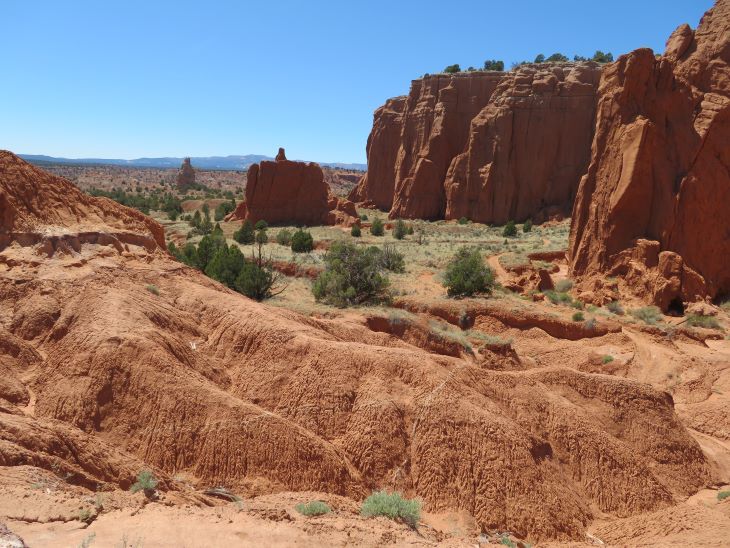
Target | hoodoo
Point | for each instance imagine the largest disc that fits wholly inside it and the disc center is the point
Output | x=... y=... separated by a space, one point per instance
x=185 y=176
x=489 y=146
x=284 y=191
x=653 y=207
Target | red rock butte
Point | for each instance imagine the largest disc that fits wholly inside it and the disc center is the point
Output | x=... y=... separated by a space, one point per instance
x=653 y=208
x=489 y=146
x=284 y=191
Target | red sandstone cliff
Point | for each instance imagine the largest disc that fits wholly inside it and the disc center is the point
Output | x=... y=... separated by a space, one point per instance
x=284 y=191
x=653 y=207
x=490 y=146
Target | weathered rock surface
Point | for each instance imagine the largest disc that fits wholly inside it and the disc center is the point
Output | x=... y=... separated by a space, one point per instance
x=284 y=191
x=32 y=200
x=185 y=176
x=489 y=146
x=653 y=207
x=197 y=380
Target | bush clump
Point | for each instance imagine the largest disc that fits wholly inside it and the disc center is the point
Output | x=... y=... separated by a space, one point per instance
x=391 y=259
x=146 y=482
x=353 y=275
x=463 y=221
x=722 y=495
x=244 y=235
x=614 y=307
x=302 y=242
x=647 y=314
x=510 y=230
x=527 y=226
x=578 y=317
x=377 y=228
x=355 y=231
x=283 y=237
x=399 y=230
x=708 y=322
x=313 y=508
x=466 y=274
x=393 y=506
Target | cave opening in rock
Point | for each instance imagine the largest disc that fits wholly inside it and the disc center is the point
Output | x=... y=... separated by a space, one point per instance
x=676 y=307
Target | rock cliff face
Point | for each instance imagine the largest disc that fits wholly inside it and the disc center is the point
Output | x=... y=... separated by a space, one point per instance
x=284 y=191
x=185 y=175
x=490 y=146
x=653 y=207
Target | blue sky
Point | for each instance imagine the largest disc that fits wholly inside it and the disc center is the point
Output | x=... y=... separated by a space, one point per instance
x=157 y=78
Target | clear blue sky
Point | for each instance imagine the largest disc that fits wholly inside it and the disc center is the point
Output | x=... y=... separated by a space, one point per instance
x=158 y=78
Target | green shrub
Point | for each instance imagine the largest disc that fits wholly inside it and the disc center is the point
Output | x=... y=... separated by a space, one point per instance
x=452 y=69
x=708 y=322
x=355 y=231
x=302 y=242
x=261 y=225
x=391 y=259
x=563 y=285
x=527 y=226
x=313 y=508
x=614 y=307
x=146 y=482
x=393 y=506
x=577 y=304
x=578 y=317
x=557 y=58
x=377 y=228
x=648 y=314
x=363 y=217
x=558 y=297
x=410 y=230
x=399 y=230
x=153 y=289
x=224 y=209
x=466 y=274
x=607 y=358
x=352 y=276
x=510 y=230
x=245 y=234
x=494 y=64
x=225 y=265
x=258 y=280
x=463 y=221
x=722 y=495
x=283 y=237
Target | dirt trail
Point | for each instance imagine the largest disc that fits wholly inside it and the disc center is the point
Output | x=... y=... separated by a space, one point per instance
x=499 y=270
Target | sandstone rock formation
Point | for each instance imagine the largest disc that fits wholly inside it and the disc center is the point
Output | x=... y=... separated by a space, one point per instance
x=107 y=377
x=653 y=207
x=489 y=146
x=185 y=176
x=31 y=200
x=284 y=191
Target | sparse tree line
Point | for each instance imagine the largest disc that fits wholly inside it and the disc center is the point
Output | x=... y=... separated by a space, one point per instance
x=498 y=65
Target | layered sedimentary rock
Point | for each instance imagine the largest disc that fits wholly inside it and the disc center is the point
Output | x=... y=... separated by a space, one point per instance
x=32 y=199
x=653 y=206
x=284 y=191
x=490 y=146
x=378 y=184
x=104 y=377
x=185 y=176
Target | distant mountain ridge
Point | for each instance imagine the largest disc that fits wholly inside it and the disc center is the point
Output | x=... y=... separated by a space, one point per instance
x=224 y=163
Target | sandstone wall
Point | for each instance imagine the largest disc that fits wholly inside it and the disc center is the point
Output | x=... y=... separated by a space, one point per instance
x=491 y=146
x=653 y=207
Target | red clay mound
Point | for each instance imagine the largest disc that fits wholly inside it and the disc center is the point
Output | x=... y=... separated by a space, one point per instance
x=490 y=146
x=287 y=192
x=653 y=207
x=35 y=204
x=191 y=378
